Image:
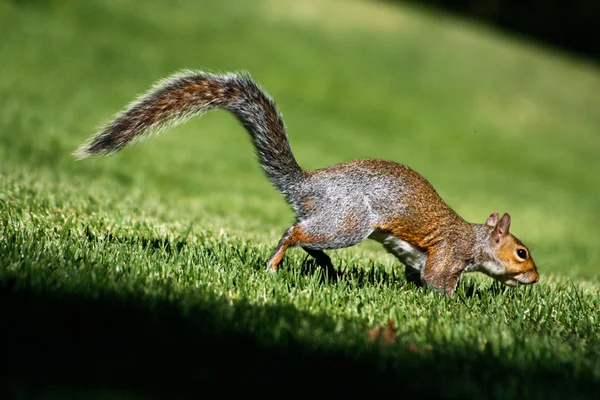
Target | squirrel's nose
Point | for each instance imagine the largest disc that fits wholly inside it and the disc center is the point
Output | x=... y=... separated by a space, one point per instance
x=535 y=277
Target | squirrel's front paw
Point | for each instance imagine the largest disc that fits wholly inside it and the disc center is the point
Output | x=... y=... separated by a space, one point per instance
x=445 y=285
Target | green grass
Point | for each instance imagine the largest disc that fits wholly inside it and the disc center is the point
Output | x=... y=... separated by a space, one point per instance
x=142 y=274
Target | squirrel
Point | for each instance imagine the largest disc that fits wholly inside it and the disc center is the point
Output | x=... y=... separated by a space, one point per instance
x=340 y=205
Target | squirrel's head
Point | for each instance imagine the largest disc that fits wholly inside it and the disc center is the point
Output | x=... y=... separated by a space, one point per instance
x=511 y=262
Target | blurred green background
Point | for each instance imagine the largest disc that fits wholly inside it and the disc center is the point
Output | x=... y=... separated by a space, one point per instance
x=495 y=123
x=569 y=25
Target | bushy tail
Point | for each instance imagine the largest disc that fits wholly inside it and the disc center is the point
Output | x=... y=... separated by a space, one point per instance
x=184 y=95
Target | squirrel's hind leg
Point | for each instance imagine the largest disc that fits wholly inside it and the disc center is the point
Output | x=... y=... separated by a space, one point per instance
x=287 y=240
x=293 y=236
x=322 y=259
x=297 y=235
x=313 y=238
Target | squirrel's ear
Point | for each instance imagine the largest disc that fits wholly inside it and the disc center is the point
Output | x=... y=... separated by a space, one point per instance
x=492 y=220
x=501 y=229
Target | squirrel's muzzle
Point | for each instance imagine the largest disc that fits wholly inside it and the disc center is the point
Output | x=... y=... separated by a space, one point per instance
x=524 y=278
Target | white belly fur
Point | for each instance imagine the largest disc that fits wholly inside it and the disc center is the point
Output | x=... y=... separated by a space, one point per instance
x=406 y=253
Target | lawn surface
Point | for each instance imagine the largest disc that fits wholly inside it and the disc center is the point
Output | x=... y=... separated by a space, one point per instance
x=142 y=274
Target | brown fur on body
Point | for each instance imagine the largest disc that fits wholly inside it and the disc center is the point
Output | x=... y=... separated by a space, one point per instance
x=341 y=205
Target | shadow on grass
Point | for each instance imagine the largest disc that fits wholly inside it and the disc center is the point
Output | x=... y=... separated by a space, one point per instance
x=161 y=348
x=155 y=348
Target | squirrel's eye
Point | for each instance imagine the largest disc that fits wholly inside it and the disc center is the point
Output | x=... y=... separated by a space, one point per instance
x=522 y=254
